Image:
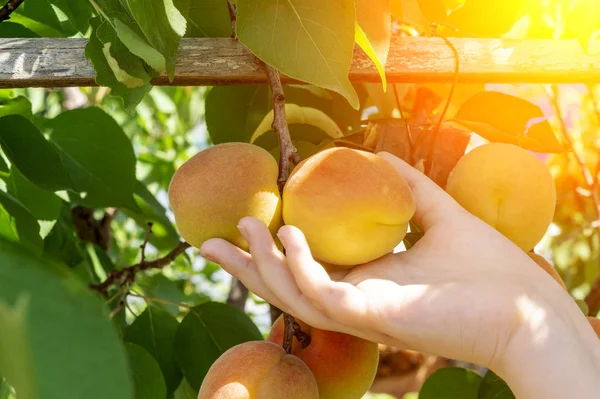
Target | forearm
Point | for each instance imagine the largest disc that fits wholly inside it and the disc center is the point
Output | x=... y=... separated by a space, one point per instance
x=554 y=357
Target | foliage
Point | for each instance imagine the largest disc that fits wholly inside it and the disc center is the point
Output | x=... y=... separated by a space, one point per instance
x=84 y=170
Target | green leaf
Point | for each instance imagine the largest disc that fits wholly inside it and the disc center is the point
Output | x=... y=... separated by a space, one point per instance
x=309 y=40
x=451 y=383
x=249 y=104
x=15 y=105
x=154 y=330
x=28 y=150
x=43 y=205
x=207 y=18
x=40 y=11
x=15 y=352
x=97 y=155
x=160 y=287
x=139 y=46
x=494 y=387
x=27 y=227
x=164 y=234
x=504 y=118
x=207 y=332
x=7 y=226
x=78 y=13
x=302 y=115
x=374 y=31
x=3 y=165
x=34 y=26
x=163 y=25
x=75 y=348
x=147 y=377
x=62 y=243
x=94 y=51
x=127 y=67
x=185 y=391
x=12 y=29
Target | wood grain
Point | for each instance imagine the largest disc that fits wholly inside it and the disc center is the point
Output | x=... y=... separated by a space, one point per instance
x=223 y=61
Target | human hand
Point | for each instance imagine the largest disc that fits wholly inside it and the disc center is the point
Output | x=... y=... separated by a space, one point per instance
x=463 y=291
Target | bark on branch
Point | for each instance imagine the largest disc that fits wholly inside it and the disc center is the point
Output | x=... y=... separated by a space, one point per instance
x=288 y=152
x=8 y=9
x=126 y=276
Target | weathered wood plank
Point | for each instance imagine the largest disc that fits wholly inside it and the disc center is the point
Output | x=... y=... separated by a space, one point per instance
x=222 y=61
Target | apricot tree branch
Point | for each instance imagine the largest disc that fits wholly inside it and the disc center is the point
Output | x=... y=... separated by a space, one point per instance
x=8 y=9
x=280 y=127
x=126 y=276
x=233 y=17
x=288 y=153
x=593 y=297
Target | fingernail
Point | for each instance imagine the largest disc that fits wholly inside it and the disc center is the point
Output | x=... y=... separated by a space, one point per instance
x=208 y=257
x=281 y=239
x=242 y=230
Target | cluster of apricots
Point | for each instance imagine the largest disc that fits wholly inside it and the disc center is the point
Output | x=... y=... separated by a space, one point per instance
x=353 y=207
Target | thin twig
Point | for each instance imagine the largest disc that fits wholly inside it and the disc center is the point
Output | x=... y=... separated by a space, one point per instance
x=592 y=299
x=126 y=276
x=151 y=299
x=145 y=243
x=120 y=305
x=407 y=123
x=233 y=17
x=9 y=8
x=287 y=150
x=429 y=161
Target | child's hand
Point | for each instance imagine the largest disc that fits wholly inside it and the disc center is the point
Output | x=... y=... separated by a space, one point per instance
x=463 y=291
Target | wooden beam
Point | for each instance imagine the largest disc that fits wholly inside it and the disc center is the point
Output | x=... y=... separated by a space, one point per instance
x=222 y=61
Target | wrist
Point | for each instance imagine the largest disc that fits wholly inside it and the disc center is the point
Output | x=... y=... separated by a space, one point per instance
x=554 y=354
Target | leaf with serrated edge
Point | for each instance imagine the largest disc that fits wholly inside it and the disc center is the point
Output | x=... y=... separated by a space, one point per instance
x=305 y=115
x=374 y=32
x=308 y=40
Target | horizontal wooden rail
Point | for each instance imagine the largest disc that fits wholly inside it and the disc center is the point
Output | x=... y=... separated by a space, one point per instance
x=222 y=61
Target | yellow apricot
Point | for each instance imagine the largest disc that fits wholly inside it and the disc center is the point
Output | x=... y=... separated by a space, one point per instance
x=352 y=206
x=217 y=187
x=507 y=187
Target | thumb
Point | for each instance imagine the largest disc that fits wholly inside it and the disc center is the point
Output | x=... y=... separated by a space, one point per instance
x=434 y=205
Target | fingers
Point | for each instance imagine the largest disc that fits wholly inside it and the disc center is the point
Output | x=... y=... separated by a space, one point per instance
x=239 y=263
x=341 y=301
x=434 y=205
